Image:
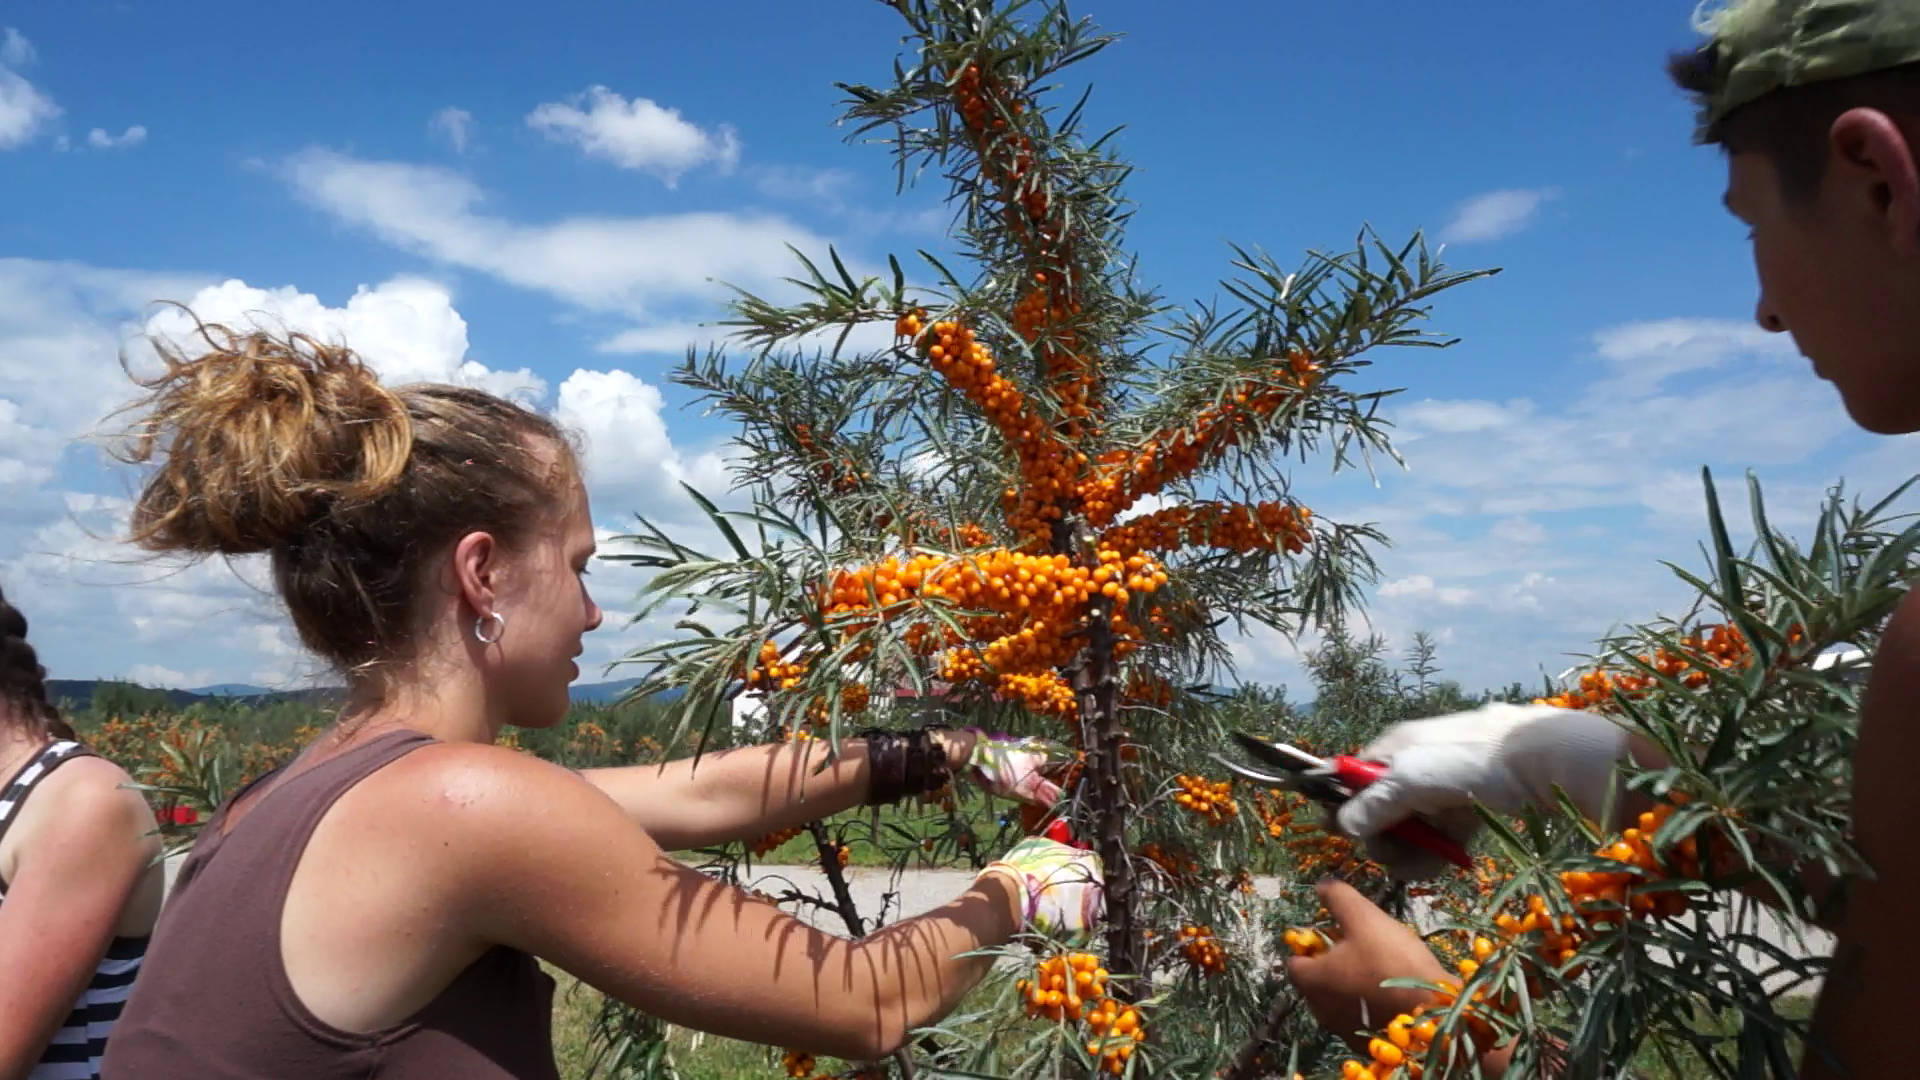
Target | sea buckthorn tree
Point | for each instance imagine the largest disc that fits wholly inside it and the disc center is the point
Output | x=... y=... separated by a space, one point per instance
x=1650 y=947
x=1029 y=493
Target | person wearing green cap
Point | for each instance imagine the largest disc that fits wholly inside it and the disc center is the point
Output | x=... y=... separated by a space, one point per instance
x=1816 y=104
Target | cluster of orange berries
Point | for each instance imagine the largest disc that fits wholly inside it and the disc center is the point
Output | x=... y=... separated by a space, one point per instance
x=1202 y=950
x=1487 y=877
x=773 y=840
x=1721 y=646
x=1211 y=799
x=1179 y=866
x=1118 y=1030
x=1006 y=156
x=1147 y=689
x=1006 y=160
x=773 y=674
x=1125 y=478
x=970 y=92
x=1046 y=469
x=1226 y=526
x=840 y=476
x=1275 y=813
x=1030 y=601
x=1599 y=899
x=1064 y=987
x=1075 y=385
x=1074 y=985
x=840 y=854
x=854 y=698
x=1303 y=941
x=1314 y=850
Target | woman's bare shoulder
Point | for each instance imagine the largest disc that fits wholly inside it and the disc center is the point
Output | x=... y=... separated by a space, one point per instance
x=455 y=787
x=92 y=802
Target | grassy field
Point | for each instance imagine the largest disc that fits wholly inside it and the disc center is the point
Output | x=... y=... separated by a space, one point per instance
x=695 y=1056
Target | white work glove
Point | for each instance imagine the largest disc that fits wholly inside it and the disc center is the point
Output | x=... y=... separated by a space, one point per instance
x=1501 y=756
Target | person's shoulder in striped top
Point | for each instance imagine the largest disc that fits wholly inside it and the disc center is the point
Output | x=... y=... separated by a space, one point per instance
x=80 y=884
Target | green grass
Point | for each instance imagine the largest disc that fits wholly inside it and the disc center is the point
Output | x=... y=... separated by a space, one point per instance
x=696 y=1055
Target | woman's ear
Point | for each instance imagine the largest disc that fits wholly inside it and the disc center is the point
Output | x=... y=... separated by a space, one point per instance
x=476 y=571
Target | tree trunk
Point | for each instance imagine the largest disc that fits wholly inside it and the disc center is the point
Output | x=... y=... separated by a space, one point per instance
x=1255 y=1056
x=1094 y=683
x=843 y=900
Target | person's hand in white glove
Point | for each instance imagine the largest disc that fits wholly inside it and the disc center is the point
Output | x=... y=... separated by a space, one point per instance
x=1501 y=756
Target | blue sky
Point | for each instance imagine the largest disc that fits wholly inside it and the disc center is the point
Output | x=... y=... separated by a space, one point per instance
x=537 y=200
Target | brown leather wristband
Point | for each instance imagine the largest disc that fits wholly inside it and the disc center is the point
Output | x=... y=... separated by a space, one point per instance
x=899 y=766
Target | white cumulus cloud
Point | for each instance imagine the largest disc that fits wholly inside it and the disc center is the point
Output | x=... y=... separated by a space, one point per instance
x=646 y=267
x=102 y=609
x=638 y=134
x=453 y=125
x=406 y=329
x=25 y=110
x=631 y=461
x=1495 y=215
x=99 y=138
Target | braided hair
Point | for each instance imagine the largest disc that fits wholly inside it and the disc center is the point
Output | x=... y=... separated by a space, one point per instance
x=23 y=682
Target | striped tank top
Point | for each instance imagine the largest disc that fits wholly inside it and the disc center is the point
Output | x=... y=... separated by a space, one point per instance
x=76 y=1049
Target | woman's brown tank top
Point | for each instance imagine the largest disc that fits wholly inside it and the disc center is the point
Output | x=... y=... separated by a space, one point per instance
x=214 y=1002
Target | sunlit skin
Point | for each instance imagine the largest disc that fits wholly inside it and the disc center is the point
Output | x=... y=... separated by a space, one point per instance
x=1840 y=272
x=79 y=866
x=463 y=845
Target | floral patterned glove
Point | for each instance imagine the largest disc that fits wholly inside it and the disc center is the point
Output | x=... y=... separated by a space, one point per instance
x=1009 y=766
x=1064 y=897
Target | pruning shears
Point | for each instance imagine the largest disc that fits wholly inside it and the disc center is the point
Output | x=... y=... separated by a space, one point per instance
x=1332 y=782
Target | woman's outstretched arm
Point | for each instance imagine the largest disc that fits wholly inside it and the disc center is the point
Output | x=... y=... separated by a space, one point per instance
x=740 y=794
x=536 y=860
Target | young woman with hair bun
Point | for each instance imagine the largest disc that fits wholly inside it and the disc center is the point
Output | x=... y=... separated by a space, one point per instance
x=80 y=880
x=375 y=908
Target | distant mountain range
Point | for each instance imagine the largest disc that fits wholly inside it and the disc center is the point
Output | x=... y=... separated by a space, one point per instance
x=79 y=693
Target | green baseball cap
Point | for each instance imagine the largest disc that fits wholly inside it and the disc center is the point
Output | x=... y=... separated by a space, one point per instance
x=1758 y=46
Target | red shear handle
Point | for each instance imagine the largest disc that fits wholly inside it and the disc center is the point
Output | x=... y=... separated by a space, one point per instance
x=1356 y=774
x=1060 y=832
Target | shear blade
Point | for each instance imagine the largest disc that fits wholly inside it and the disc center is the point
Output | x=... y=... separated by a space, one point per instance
x=1255 y=776
x=1279 y=755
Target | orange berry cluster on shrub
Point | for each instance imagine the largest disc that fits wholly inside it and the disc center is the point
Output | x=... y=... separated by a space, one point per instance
x=1028 y=605
x=1064 y=987
x=773 y=840
x=1720 y=646
x=1303 y=941
x=1202 y=950
x=1126 y=477
x=841 y=475
x=1119 y=1030
x=1212 y=800
x=1145 y=689
x=1316 y=852
x=1072 y=987
x=1179 y=866
x=772 y=673
x=798 y=1064
x=1600 y=899
x=1226 y=526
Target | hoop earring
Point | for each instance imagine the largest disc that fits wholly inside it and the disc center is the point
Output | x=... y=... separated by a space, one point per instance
x=480 y=628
